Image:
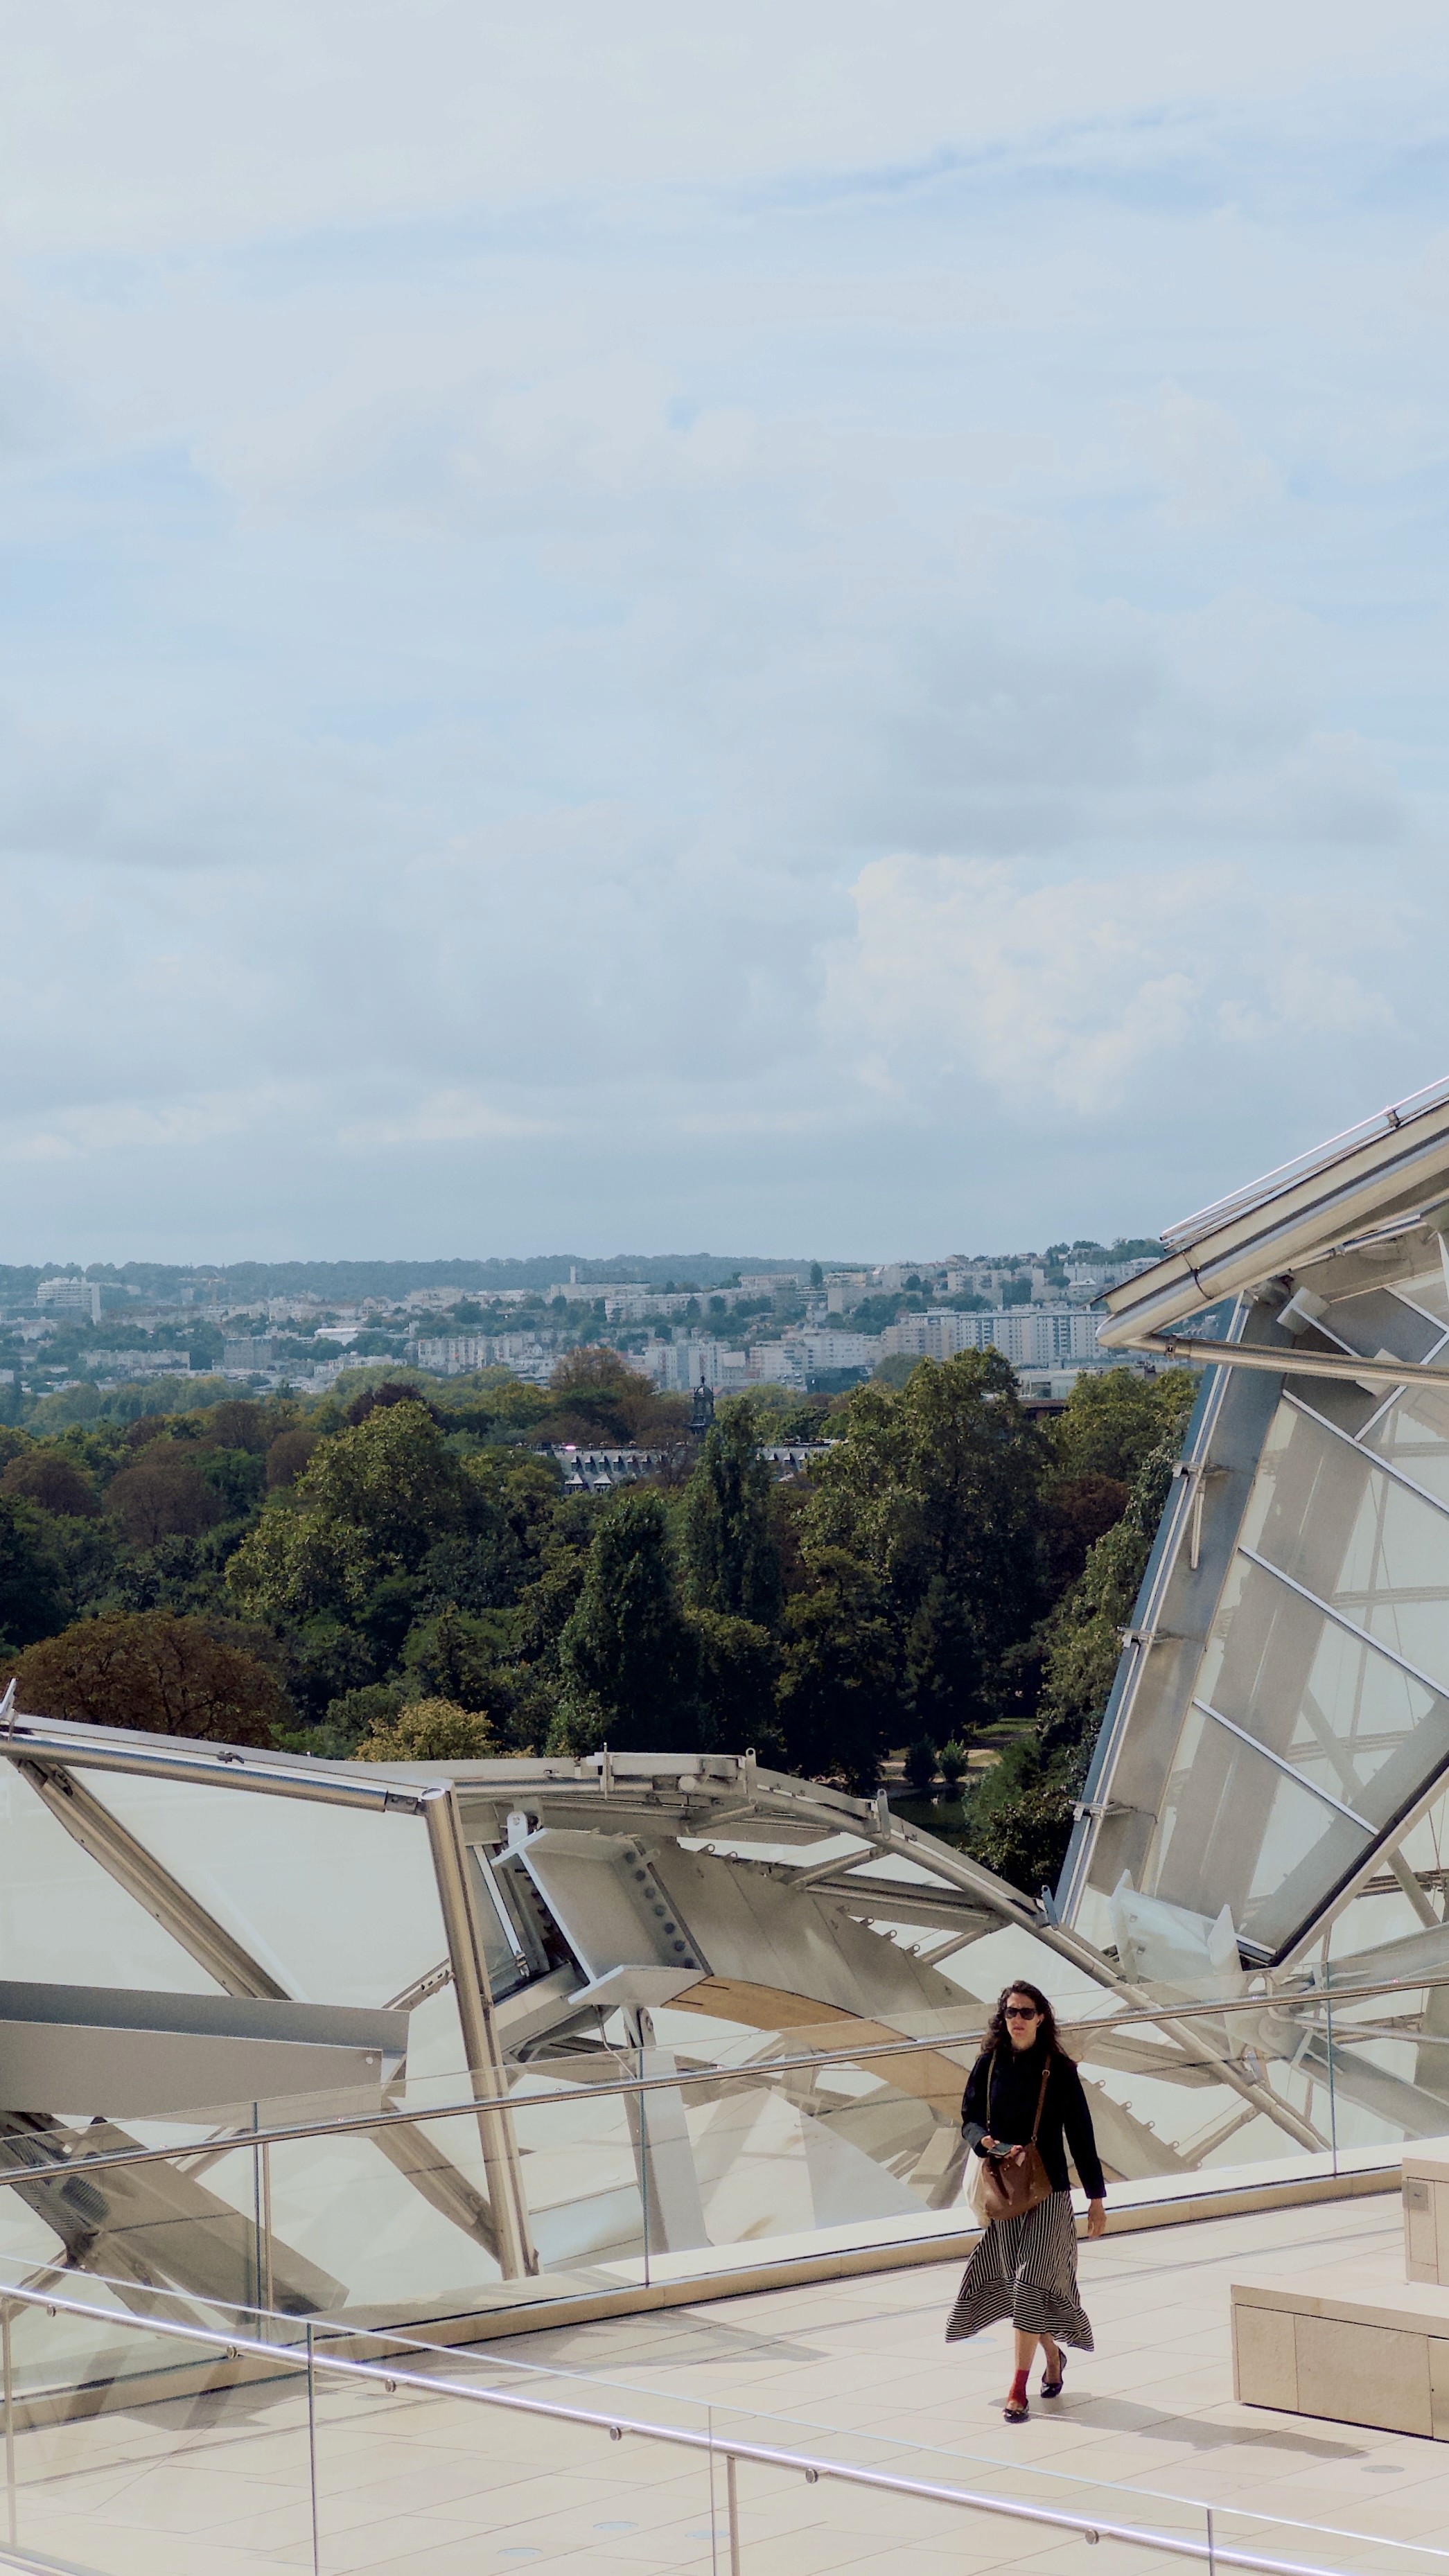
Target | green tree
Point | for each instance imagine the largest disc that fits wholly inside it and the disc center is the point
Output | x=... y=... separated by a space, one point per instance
x=841 y=1704
x=935 y=1488
x=431 y=1730
x=1076 y=1511
x=731 y=1561
x=597 y=1397
x=288 y=1454
x=180 y=1574
x=371 y=1502
x=236 y=1477
x=921 y=1767
x=953 y=1767
x=1083 y=1637
x=35 y=1597
x=1019 y=1819
x=455 y=1656
x=1114 y=1419
x=547 y=1604
x=1019 y=1816
x=627 y=1653
x=735 y=1671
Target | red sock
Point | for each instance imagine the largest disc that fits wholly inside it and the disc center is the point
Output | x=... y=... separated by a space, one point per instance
x=1018 y=2389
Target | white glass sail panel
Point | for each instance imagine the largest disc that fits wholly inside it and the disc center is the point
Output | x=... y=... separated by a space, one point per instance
x=1383 y=1318
x=1324 y=1513
x=1427 y=1287
x=1413 y=1435
x=65 y=1921
x=1355 y=1725
x=340 y=1908
x=1234 y=1830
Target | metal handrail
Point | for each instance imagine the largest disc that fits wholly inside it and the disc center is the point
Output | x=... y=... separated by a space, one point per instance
x=730 y=2448
x=752 y=2071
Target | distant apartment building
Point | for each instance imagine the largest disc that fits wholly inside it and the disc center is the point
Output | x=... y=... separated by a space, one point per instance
x=692 y=1360
x=457 y=1353
x=1087 y=1279
x=781 y=1363
x=633 y=1305
x=138 y=1364
x=1034 y=1336
x=71 y=1297
x=248 y=1354
x=827 y=1350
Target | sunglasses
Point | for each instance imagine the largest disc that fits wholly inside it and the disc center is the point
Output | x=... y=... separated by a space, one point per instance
x=1022 y=2012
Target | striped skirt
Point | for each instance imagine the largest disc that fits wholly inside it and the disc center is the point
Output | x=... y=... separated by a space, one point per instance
x=1025 y=2269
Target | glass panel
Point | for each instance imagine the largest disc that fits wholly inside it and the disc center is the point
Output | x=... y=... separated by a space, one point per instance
x=401 y=2478
x=1356 y=1538
x=1414 y=1435
x=1234 y=1830
x=340 y=1907
x=1426 y=1285
x=63 y=1921
x=1393 y=1319
x=800 y=2149
x=109 y=2479
x=1357 y=1726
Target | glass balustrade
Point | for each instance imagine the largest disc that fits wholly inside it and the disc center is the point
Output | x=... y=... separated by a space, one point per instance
x=701 y=2157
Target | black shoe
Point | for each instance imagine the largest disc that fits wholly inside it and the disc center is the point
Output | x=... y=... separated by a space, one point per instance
x=1053 y=2387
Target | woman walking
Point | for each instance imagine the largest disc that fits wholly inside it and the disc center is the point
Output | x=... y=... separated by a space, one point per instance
x=1024 y=2092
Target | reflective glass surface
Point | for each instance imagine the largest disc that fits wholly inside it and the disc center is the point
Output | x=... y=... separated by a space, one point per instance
x=339 y=1907
x=1234 y=1830
x=63 y=1920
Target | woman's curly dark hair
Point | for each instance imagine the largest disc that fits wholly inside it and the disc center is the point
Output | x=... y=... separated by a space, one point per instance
x=997 y=2034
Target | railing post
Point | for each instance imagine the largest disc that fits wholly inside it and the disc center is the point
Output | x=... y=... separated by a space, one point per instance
x=732 y=2505
x=267 y=2287
x=1212 y=2554
x=312 y=2451
x=713 y=2513
x=1332 y=2089
x=6 y=2312
x=646 y=2178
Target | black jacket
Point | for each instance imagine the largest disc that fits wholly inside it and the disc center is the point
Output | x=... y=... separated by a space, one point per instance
x=1015 y=2081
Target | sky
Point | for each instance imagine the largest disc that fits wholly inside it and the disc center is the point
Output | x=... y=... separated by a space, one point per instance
x=819 y=628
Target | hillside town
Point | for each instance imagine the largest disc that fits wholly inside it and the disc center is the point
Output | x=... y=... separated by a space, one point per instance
x=803 y=1326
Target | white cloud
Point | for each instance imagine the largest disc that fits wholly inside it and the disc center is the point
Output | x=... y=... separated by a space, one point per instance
x=445 y=1118
x=1197 y=452
x=476 y=646
x=168 y=124
x=1085 y=993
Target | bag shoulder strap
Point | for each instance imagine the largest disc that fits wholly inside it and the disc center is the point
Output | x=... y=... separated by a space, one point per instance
x=1041 y=2099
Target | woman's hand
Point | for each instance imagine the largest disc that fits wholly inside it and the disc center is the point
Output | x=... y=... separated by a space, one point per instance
x=1096 y=2218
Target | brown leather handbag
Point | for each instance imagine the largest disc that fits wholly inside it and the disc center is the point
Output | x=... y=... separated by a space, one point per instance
x=1001 y=2187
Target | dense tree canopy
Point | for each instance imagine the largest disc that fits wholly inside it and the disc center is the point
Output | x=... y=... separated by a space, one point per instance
x=626 y=1653
x=731 y=1559
x=153 y=1670
x=404 y=1570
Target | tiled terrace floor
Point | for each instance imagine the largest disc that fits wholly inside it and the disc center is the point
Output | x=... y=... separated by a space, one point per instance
x=439 y=2487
